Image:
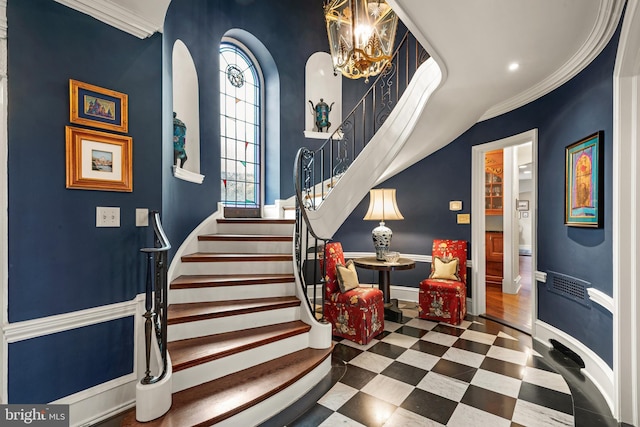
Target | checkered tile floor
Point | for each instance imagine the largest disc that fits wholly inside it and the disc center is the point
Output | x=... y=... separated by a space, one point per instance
x=422 y=373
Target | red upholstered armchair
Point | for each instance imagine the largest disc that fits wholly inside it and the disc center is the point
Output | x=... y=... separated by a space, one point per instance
x=443 y=296
x=357 y=314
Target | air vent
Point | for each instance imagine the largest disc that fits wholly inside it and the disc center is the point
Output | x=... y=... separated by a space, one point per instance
x=570 y=287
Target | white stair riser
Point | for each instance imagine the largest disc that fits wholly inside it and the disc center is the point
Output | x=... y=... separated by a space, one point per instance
x=232 y=323
x=279 y=229
x=242 y=267
x=245 y=247
x=227 y=365
x=223 y=293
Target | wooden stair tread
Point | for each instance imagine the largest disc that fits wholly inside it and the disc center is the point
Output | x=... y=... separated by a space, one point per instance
x=234 y=257
x=245 y=237
x=188 y=312
x=194 y=351
x=213 y=280
x=214 y=401
x=255 y=221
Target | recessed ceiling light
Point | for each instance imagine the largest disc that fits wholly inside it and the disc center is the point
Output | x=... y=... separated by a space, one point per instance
x=514 y=66
x=522 y=166
x=527 y=171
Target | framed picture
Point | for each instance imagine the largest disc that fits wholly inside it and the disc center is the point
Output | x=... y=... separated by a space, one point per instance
x=98 y=160
x=98 y=107
x=583 y=182
x=522 y=205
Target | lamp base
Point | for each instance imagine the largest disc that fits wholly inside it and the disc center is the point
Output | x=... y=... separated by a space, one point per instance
x=381 y=240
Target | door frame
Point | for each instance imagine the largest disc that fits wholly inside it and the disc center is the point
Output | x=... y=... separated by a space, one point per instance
x=478 y=229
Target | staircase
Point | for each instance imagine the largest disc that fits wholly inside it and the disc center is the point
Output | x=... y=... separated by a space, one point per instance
x=239 y=351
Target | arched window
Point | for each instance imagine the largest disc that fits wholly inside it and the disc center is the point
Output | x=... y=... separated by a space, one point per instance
x=240 y=127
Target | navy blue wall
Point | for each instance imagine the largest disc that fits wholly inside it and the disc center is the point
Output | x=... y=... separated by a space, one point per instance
x=201 y=26
x=59 y=261
x=575 y=110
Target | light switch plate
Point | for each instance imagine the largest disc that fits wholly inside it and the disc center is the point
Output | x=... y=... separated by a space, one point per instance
x=142 y=217
x=464 y=218
x=107 y=216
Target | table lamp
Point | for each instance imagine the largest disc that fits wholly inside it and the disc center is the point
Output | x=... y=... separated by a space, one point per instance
x=382 y=207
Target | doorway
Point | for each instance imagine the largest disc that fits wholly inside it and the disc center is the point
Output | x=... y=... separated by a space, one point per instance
x=503 y=267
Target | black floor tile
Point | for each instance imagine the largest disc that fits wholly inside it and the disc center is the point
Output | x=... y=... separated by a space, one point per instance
x=430 y=347
x=449 y=330
x=345 y=352
x=367 y=410
x=501 y=367
x=411 y=331
x=489 y=401
x=313 y=417
x=511 y=344
x=429 y=405
x=454 y=370
x=473 y=346
x=584 y=418
x=405 y=373
x=388 y=350
x=357 y=377
x=546 y=397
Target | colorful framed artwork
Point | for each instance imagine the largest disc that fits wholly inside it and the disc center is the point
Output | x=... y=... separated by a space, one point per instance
x=584 y=204
x=98 y=160
x=98 y=107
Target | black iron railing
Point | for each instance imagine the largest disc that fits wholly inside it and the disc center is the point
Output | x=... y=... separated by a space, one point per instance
x=317 y=172
x=156 y=298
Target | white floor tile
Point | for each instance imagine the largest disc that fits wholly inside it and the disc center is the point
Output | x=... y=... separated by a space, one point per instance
x=337 y=396
x=403 y=418
x=480 y=337
x=546 y=379
x=444 y=386
x=418 y=359
x=426 y=325
x=438 y=338
x=465 y=415
x=497 y=382
x=400 y=340
x=507 y=336
x=532 y=415
x=360 y=346
x=371 y=361
x=337 y=419
x=464 y=357
x=391 y=326
x=508 y=355
x=388 y=389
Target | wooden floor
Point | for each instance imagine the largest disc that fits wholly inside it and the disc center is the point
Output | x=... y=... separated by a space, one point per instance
x=514 y=310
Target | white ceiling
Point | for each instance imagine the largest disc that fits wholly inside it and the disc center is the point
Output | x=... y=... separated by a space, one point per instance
x=473 y=41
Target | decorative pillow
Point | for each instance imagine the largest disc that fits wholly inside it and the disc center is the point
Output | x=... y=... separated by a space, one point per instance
x=445 y=269
x=347 y=276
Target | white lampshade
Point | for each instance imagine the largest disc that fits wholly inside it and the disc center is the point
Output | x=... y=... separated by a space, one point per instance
x=382 y=205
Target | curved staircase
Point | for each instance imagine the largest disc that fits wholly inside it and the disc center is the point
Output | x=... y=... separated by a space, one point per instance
x=239 y=351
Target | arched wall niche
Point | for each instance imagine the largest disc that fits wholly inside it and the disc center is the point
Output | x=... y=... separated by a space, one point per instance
x=186 y=108
x=322 y=83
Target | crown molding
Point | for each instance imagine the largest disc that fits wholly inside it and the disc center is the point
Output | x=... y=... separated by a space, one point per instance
x=115 y=15
x=606 y=23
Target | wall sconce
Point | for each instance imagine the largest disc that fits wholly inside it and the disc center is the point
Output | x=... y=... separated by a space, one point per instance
x=382 y=207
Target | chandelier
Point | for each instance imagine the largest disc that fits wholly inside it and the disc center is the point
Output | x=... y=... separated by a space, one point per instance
x=361 y=36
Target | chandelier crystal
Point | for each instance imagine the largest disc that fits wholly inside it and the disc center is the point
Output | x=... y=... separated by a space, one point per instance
x=361 y=36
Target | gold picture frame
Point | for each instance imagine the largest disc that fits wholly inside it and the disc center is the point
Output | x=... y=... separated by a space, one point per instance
x=98 y=160
x=98 y=107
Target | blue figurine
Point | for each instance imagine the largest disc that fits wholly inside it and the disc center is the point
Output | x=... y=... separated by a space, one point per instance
x=322 y=110
x=179 y=140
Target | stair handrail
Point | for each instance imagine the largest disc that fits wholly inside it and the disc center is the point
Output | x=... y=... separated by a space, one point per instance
x=156 y=299
x=309 y=163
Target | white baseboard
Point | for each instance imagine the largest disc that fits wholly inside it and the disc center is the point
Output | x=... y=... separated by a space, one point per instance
x=595 y=368
x=101 y=402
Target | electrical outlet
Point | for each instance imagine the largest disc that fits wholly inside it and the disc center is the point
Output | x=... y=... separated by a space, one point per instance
x=107 y=217
x=142 y=217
